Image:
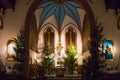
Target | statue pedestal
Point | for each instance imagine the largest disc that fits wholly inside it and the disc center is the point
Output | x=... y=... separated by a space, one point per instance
x=60 y=71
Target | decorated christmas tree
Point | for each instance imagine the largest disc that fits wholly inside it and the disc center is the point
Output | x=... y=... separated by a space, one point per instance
x=69 y=62
x=47 y=60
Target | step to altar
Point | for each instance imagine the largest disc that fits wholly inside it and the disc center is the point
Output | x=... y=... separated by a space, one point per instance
x=66 y=77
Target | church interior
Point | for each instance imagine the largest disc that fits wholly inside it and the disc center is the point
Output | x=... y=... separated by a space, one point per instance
x=59 y=39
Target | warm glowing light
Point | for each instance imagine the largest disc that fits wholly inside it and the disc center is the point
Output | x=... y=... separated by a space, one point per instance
x=115 y=51
x=59 y=48
x=33 y=56
x=11 y=51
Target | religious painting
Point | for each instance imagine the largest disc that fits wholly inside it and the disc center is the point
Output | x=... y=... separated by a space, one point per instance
x=108 y=49
x=10 y=52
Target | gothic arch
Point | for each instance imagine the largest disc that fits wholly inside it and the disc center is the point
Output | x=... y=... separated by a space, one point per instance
x=78 y=36
x=42 y=30
x=32 y=8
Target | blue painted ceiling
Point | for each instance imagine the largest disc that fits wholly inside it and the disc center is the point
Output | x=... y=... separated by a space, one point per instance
x=60 y=8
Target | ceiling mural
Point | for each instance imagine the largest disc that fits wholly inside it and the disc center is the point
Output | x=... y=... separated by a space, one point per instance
x=60 y=9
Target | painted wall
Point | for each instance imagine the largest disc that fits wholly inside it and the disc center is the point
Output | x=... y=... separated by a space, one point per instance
x=13 y=21
x=109 y=21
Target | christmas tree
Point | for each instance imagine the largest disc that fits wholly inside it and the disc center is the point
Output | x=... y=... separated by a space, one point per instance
x=47 y=60
x=95 y=63
x=20 y=52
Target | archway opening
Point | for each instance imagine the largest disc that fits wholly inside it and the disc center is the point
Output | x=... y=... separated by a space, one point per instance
x=77 y=13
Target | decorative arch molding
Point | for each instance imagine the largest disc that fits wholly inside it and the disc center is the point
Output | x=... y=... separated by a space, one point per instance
x=50 y=24
x=31 y=10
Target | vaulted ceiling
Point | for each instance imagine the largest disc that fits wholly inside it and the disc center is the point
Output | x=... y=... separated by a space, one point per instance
x=110 y=4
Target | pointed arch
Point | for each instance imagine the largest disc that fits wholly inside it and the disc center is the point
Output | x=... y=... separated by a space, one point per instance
x=77 y=34
x=46 y=33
